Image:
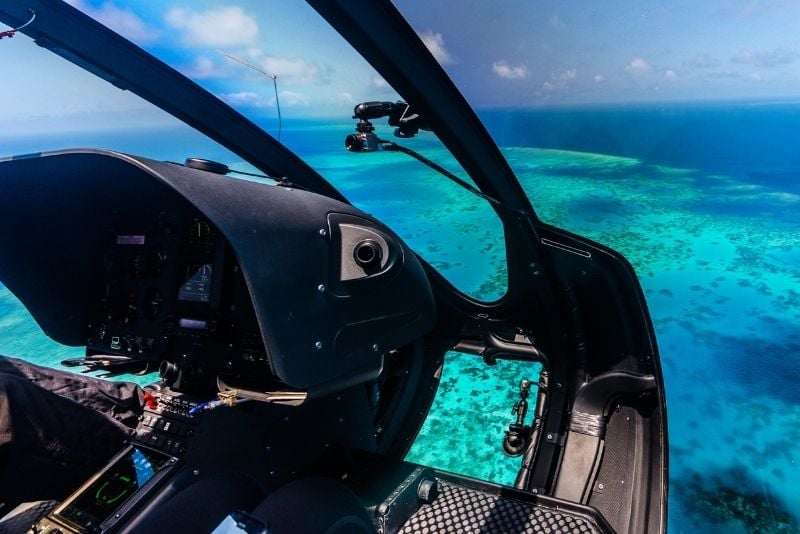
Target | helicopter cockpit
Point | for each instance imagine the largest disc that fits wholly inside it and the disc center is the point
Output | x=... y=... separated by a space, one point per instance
x=299 y=340
x=258 y=293
x=306 y=312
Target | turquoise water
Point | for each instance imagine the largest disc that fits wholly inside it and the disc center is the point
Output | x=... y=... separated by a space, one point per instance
x=718 y=260
x=717 y=251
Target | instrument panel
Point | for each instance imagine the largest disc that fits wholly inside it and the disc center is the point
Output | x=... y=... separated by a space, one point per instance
x=169 y=291
x=154 y=264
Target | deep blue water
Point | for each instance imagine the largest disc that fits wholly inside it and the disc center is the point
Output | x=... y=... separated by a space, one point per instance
x=760 y=141
x=704 y=200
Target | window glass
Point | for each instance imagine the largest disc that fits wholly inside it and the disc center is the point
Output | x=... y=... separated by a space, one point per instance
x=283 y=67
x=668 y=131
x=470 y=415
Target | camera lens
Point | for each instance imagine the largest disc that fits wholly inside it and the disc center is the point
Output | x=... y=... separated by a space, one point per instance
x=354 y=143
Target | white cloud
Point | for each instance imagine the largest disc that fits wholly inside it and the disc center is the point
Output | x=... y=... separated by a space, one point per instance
x=703 y=61
x=599 y=78
x=745 y=56
x=756 y=8
x=218 y=27
x=755 y=77
x=435 y=43
x=504 y=70
x=244 y=98
x=378 y=81
x=345 y=98
x=569 y=74
x=202 y=68
x=670 y=75
x=291 y=70
x=768 y=60
x=638 y=66
x=123 y=21
x=293 y=99
x=560 y=80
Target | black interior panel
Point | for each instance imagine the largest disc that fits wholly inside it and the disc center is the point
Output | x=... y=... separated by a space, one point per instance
x=210 y=274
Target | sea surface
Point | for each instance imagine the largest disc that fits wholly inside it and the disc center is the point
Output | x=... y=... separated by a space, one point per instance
x=704 y=200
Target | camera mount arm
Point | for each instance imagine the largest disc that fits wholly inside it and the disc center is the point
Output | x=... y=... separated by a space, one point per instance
x=406 y=121
x=407 y=124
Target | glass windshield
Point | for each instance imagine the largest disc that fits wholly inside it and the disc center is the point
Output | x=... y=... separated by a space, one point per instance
x=665 y=130
x=283 y=67
x=668 y=131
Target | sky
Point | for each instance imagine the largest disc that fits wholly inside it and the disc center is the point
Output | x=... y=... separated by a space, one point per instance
x=548 y=52
x=509 y=53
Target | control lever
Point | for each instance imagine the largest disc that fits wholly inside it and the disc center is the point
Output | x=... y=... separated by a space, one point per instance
x=517 y=436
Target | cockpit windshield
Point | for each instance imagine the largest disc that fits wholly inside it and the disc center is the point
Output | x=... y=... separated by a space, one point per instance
x=283 y=67
x=666 y=132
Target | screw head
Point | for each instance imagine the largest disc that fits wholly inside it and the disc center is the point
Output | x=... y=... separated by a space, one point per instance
x=318 y=345
x=376 y=347
x=323 y=232
x=321 y=288
x=549 y=436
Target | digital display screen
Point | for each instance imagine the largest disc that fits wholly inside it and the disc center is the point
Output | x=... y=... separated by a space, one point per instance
x=197 y=287
x=129 y=473
x=130 y=240
x=192 y=324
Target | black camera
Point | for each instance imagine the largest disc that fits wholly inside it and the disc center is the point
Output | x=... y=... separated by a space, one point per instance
x=364 y=140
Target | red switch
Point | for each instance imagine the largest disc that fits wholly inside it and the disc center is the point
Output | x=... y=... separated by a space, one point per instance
x=150 y=401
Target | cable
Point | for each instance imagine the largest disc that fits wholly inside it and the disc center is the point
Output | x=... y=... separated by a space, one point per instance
x=392 y=146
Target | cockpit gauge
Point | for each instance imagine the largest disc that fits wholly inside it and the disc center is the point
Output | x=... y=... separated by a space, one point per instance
x=197 y=284
x=201 y=236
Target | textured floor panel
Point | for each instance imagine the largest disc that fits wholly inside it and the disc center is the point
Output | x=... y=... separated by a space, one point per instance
x=21 y=518
x=458 y=509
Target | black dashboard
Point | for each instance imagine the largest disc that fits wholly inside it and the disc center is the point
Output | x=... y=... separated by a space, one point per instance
x=204 y=276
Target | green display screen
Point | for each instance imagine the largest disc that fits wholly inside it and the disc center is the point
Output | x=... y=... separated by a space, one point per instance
x=105 y=495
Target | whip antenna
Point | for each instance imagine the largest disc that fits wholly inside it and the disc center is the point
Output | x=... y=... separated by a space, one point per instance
x=10 y=33
x=268 y=75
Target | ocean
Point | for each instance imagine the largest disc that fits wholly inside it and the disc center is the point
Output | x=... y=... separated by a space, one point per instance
x=703 y=199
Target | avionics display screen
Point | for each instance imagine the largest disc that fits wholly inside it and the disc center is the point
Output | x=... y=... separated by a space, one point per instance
x=197 y=287
x=127 y=475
